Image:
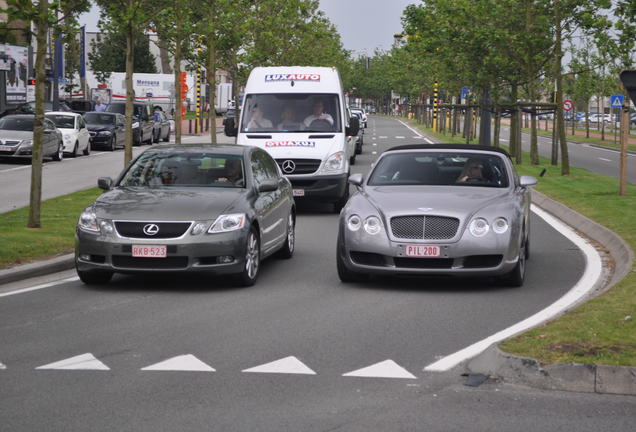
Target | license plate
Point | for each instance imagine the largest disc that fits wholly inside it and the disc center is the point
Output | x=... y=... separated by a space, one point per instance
x=145 y=251
x=422 y=251
x=6 y=148
x=299 y=192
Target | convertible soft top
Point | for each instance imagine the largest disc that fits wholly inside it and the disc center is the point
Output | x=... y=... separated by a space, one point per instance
x=450 y=147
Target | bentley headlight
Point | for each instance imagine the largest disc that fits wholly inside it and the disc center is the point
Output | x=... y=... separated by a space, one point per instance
x=335 y=163
x=354 y=222
x=229 y=222
x=479 y=227
x=88 y=221
x=372 y=225
x=500 y=225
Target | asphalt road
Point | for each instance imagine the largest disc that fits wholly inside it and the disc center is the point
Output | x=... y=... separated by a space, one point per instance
x=300 y=313
x=594 y=158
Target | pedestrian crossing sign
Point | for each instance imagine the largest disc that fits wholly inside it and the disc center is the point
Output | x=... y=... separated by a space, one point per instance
x=616 y=101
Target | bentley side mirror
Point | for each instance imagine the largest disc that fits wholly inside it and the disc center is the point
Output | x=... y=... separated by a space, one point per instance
x=105 y=183
x=229 y=129
x=525 y=181
x=356 y=179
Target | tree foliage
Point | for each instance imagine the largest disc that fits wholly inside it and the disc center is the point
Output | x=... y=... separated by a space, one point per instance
x=108 y=54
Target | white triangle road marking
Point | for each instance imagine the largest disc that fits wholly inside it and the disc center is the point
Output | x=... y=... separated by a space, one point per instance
x=81 y=362
x=186 y=362
x=385 y=369
x=287 y=365
x=2 y=366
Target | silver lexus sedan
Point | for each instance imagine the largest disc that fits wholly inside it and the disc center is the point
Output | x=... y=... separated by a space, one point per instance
x=440 y=210
x=182 y=208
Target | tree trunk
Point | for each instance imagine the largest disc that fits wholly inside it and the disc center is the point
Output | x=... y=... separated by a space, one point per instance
x=130 y=52
x=178 y=104
x=497 y=132
x=565 y=160
x=35 y=199
x=587 y=119
x=514 y=121
x=534 y=147
x=211 y=79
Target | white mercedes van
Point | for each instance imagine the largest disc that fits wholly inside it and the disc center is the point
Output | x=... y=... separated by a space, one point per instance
x=298 y=115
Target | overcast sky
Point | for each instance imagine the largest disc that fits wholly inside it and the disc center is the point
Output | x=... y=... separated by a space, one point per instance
x=364 y=25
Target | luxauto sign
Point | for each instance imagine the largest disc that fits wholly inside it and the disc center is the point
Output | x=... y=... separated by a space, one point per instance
x=292 y=77
x=290 y=144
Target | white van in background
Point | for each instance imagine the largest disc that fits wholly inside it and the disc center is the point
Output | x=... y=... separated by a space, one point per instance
x=298 y=115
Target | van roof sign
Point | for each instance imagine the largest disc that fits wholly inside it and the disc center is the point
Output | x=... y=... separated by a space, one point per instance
x=292 y=77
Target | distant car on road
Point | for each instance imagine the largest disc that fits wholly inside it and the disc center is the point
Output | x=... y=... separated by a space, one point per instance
x=16 y=137
x=75 y=135
x=106 y=129
x=437 y=210
x=362 y=114
x=188 y=208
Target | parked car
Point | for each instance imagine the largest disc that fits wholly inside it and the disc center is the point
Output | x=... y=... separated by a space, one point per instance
x=188 y=208
x=16 y=137
x=143 y=120
x=29 y=108
x=437 y=210
x=75 y=135
x=360 y=135
x=162 y=127
x=106 y=129
x=81 y=106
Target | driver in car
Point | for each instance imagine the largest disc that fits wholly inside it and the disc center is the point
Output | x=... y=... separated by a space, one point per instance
x=318 y=114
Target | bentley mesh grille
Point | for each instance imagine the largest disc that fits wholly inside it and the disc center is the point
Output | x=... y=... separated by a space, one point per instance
x=424 y=227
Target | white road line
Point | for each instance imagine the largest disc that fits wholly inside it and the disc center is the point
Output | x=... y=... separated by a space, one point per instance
x=383 y=137
x=287 y=365
x=375 y=144
x=399 y=137
x=15 y=169
x=184 y=363
x=416 y=132
x=592 y=273
x=385 y=369
x=39 y=287
x=606 y=160
x=374 y=152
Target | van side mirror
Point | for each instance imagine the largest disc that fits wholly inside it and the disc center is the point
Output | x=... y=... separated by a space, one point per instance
x=230 y=129
x=354 y=126
x=105 y=183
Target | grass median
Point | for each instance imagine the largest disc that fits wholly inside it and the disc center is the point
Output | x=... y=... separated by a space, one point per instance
x=602 y=330
x=58 y=219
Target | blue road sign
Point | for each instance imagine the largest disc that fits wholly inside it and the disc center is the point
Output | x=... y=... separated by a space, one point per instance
x=616 y=101
x=465 y=91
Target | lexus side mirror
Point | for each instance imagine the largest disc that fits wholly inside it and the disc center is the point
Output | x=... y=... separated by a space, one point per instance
x=354 y=127
x=268 y=185
x=105 y=183
x=229 y=129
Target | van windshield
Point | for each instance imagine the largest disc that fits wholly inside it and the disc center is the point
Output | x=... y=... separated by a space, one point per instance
x=298 y=112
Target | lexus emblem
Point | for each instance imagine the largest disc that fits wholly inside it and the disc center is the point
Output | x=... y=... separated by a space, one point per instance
x=151 y=229
x=288 y=166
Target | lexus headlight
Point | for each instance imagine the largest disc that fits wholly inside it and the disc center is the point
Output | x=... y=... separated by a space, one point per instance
x=500 y=225
x=372 y=225
x=88 y=221
x=103 y=133
x=335 y=163
x=198 y=228
x=479 y=227
x=229 y=222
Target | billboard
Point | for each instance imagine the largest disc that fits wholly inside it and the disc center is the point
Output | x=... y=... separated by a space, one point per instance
x=14 y=60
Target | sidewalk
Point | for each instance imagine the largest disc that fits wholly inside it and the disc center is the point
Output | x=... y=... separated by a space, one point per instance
x=188 y=126
x=568 y=131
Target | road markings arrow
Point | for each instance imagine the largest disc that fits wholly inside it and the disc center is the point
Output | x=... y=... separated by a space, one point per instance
x=81 y=362
x=287 y=365
x=385 y=369
x=186 y=362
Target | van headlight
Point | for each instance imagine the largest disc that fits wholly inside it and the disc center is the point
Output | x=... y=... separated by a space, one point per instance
x=334 y=163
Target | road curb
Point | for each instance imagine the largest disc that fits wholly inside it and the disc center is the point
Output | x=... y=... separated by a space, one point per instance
x=576 y=377
x=38 y=268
